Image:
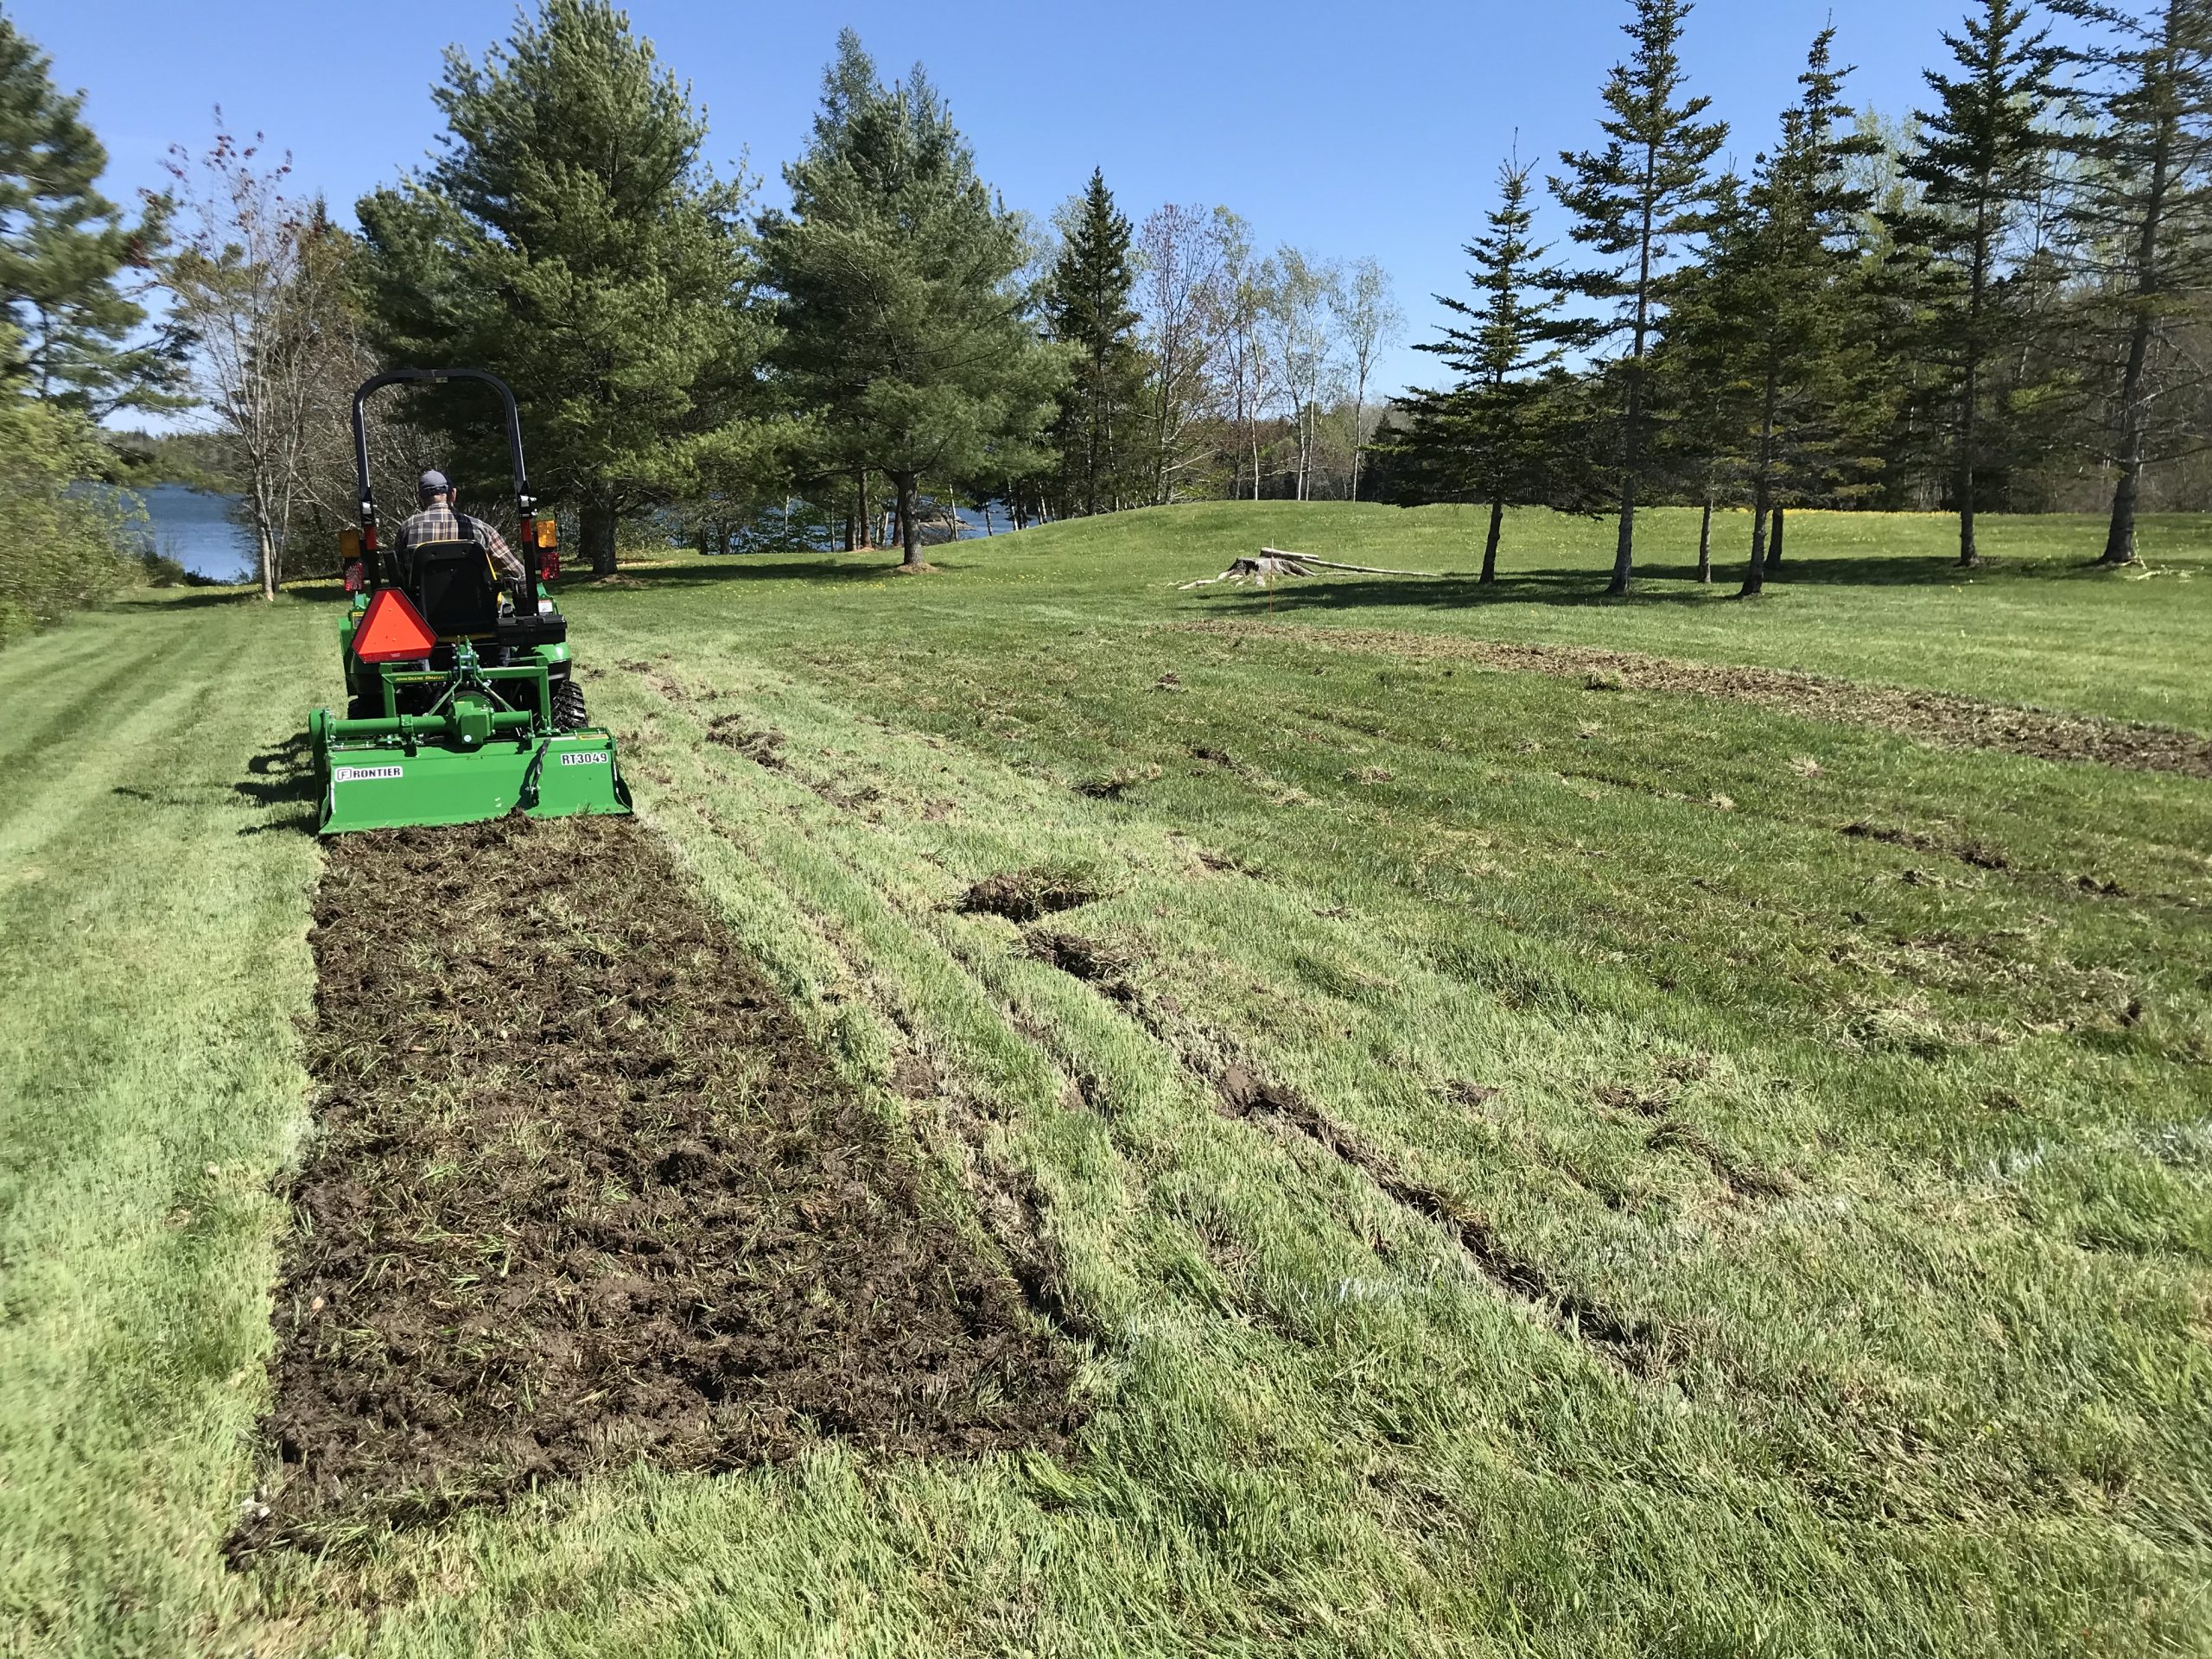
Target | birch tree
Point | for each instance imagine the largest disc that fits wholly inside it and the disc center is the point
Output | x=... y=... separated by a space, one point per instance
x=1247 y=378
x=1179 y=301
x=1298 y=341
x=1368 y=323
x=249 y=277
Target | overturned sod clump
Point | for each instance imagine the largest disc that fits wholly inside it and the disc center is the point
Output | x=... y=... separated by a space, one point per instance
x=1025 y=895
x=582 y=1194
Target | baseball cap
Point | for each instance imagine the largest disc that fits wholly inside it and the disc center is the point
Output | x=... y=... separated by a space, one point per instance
x=434 y=483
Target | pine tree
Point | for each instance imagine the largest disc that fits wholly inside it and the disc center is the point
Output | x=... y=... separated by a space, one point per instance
x=1903 y=387
x=1087 y=309
x=1696 y=380
x=572 y=240
x=1490 y=438
x=1634 y=201
x=2143 y=211
x=64 y=247
x=1978 y=164
x=907 y=339
x=1771 y=328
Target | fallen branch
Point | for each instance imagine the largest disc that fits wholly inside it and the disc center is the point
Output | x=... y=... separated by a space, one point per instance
x=1274 y=563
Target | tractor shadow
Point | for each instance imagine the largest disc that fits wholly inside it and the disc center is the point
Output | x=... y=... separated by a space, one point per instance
x=281 y=777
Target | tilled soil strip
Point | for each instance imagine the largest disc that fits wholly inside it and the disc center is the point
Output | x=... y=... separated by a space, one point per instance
x=1929 y=717
x=582 y=1194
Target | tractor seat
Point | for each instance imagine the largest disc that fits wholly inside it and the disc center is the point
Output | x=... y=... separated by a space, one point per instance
x=453 y=587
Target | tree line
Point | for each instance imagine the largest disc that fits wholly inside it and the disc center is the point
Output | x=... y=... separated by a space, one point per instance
x=2000 y=304
x=1997 y=302
x=893 y=345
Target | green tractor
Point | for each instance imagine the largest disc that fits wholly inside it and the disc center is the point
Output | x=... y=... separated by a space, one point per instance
x=460 y=701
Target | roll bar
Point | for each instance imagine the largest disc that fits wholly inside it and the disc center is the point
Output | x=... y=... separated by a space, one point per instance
x=524 y=504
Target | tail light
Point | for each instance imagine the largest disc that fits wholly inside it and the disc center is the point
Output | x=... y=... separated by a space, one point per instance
x=548 y=564
x=369 y=538
x=356 y=576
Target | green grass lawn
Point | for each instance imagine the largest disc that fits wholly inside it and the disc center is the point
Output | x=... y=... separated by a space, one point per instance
x=1725 y=1233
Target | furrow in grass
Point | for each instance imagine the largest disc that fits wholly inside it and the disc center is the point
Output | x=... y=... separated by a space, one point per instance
x=1946 y=720
x=1634 y=1344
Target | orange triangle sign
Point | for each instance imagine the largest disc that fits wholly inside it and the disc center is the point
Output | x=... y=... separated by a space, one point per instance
x=393 y=631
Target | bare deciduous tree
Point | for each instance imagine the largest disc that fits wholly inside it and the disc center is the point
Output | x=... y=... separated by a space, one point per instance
x=1368 y=323
x=1246 y=376
x=254 y=277
x=1180 y=299
x=1299 y=345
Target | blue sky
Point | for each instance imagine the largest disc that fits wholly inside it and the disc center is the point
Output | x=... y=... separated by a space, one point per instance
x=1347 y=128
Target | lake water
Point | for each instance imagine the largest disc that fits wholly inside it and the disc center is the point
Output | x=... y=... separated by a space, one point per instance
x=196 y=530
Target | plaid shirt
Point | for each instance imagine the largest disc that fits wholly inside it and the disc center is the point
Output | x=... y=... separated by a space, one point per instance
x=439 y=523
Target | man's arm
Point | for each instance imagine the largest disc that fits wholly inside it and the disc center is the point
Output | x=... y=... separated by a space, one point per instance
x=495 y=547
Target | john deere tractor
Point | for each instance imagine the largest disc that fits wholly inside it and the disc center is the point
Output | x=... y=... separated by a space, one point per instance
x=460 y=700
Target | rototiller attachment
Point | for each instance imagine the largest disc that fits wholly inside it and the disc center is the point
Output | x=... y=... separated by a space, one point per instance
x=460 y=701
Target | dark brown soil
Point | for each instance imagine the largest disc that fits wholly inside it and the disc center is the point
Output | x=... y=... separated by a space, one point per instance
x=1025 y=895
x=761 y=747
x=1929 y=717
x=582 y=1194
x=1097 y=962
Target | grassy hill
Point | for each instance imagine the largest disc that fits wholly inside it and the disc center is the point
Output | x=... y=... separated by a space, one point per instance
x=1557 y=1125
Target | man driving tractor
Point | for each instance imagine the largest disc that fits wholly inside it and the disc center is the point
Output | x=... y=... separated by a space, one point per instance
x=438 y=521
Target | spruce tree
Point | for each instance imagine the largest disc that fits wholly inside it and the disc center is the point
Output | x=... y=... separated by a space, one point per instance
x=907 y=339
x=1496 y=436
x=1087 y=309
x=69 y=322
x=2142 y=207
x=1978 y=164
x=1772 y=324
x=1696 y=377
x=1634 y=202
x=572 y=240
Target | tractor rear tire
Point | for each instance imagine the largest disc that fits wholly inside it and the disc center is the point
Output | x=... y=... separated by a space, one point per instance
x=568 y=714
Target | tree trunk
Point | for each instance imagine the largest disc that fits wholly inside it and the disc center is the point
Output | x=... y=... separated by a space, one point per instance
x=1625 y=541
x=269 y=576
x=863 y=514
x=1632 y=428
x=1763 y=484
x=1774 y=543
x=1755 y=577
x=1358 y=415
x=910 y=529
x=1705 y=542
x=1969 y=555
x=2119 y=534
x=1490 y=543
x=597 y=531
